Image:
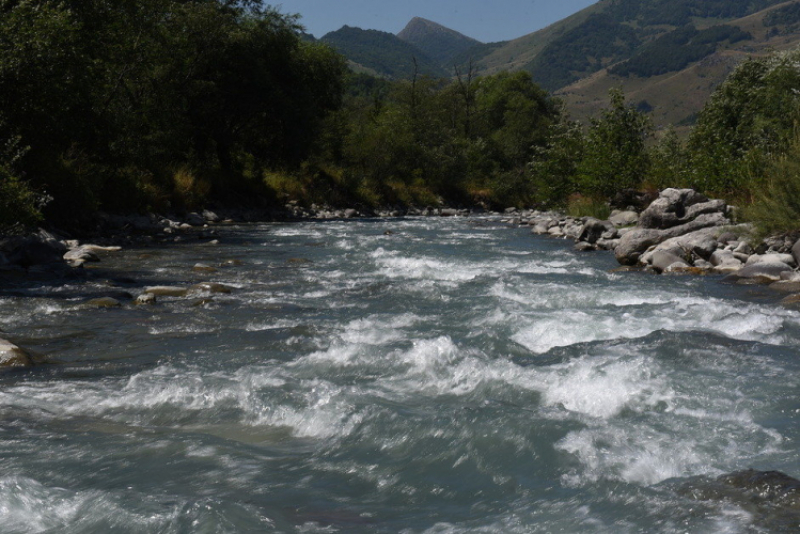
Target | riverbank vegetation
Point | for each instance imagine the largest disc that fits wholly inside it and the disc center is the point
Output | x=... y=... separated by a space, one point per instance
x=162 y=105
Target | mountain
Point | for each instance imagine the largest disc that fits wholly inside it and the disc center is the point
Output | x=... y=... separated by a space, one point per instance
x=382 y=53
x=668 y=56
x=673 y=75
x=612 y=31
x=441 y=44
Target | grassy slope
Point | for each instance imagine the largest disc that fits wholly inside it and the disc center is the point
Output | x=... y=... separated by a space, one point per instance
x=677 y=95
x=517 y=53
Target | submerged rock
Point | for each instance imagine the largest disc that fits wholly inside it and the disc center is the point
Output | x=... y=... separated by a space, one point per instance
x=145 y=299
x=210 y=287
x=167 y=291
x=13 y=356
x=203 y=268
x=772 y=497
x=103 y=302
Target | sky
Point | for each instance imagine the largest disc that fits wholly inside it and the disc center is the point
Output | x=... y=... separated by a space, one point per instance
x=484 y=20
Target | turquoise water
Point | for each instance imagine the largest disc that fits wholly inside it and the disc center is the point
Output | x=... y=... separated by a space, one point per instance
x=453 y=376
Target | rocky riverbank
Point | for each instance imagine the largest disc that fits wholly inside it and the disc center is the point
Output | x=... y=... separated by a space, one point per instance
x=681 y=232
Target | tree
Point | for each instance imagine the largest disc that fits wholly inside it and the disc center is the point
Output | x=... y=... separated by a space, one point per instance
x=615 y=155
x=749 y=118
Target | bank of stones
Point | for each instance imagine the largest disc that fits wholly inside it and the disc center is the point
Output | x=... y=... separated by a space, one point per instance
x=681 y=231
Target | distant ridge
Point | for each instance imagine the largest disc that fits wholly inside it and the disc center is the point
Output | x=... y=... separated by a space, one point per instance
x=439 y=43
x=382 y=53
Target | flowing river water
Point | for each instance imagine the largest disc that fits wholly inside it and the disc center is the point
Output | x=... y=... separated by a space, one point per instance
x=454 y=375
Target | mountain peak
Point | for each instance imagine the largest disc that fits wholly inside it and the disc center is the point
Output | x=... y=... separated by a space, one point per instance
x=438 y=42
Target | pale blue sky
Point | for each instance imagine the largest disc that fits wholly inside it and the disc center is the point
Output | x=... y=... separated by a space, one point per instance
x=485 y=20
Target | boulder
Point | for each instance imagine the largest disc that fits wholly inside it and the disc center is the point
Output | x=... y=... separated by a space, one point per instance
x=210 y=287
x=203 y=268
x=635 y=242
x=699 y=244
x=787 y=259
x=762 y=272
x=594 y=229
x=81 y=254
x=103 y=302
x=145 y=299
x=791 y=276
x=666 y=261
x=796 y=252
x=770 y=498
x=539 y=228
x=349 y=213
x=786 y=286
x=167 y=291
x=36 y=249
x=210 y=216
x=632 y=198
x=720 y=257
x=13 y=356
x=670 y=208
x=624 y=218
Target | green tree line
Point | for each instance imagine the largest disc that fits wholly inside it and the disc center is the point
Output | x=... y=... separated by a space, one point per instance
x=172 y=105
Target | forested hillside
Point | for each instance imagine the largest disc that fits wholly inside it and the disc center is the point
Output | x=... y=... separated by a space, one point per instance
x=620 y=29
x=383 y=53
x=441 y=44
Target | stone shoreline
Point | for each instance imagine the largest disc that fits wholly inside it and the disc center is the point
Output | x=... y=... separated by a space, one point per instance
x=681 y=232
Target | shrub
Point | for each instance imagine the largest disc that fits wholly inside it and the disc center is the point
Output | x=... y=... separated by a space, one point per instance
x=19 y=205
x=776 y=208
x=581 y=206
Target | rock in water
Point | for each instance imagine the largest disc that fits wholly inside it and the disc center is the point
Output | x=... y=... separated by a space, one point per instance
x=104 y=302
x=167 y=291
x=145 y=299
x=772 y=497
x=13 y=356
x=210 y=287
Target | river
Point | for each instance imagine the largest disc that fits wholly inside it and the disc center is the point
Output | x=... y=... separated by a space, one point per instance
x=399 y=375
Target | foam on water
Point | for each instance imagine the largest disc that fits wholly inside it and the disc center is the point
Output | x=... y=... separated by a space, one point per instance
x=443 y=379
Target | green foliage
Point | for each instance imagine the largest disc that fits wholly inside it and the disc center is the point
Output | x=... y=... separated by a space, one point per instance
x=680 y=12
x=788 y=15
x=669 y=163
x=383 y=52
x=585 y=49
x=677 y=49
x=617 y=30
x=776 y=208
x=615 y=156
x=554 y=166
x=580 y=206
x=18 y=204
x=112 y=97
x=20 y=207
x=467 y=140
x=750 y=116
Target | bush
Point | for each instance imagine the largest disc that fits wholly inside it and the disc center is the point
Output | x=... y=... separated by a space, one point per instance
x=19 y=206
x=615 y=155
x=776 y=209
x=581 y=206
